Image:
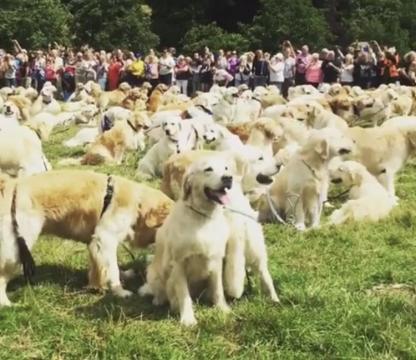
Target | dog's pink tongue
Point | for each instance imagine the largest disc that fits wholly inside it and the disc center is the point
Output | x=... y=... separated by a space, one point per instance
x=224 y=198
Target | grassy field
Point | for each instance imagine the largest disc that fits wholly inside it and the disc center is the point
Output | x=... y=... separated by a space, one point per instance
x=347 y=293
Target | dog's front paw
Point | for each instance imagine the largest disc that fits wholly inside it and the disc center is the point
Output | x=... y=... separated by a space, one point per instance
x=121 y=293
x=275 y=299
x=188 y=320
x=224 y=307
x=300 y=227
x=145 y=290
x=5 y=303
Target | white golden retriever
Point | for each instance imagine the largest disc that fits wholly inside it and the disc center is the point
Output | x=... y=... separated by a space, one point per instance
x=190 y=245
x=369 y=200
x=151 y=165
x=21 y=152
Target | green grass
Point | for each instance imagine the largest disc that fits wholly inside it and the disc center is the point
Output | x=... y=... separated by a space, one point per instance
x=327 y=279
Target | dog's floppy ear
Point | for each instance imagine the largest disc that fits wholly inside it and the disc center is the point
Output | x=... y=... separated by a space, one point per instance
x=322 y=148
x=187 y=186
x=355 y=176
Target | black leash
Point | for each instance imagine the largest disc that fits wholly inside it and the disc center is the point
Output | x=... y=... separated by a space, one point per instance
x=108 y=195
x=25 y=256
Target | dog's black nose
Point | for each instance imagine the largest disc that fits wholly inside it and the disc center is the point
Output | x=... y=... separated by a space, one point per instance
x=344 y=151
x=227 y=181
x=204 y=137
x=167 y=132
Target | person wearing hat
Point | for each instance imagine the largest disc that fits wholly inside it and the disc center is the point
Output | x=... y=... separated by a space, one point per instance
x=136 y=71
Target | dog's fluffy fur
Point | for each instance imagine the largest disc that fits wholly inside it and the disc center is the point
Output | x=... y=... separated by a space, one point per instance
x=185 y=258
x=68 y=203
x=301 y=186
x=369 y=201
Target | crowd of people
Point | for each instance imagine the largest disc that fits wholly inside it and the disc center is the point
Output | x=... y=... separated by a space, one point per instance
x=365 y=64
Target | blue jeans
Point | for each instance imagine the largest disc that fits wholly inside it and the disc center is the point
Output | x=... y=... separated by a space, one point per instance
x=103 y=83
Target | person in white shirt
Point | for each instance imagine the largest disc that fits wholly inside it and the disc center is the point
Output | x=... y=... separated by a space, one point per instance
x=276 y=69
x=166 y=66
x=346 y=76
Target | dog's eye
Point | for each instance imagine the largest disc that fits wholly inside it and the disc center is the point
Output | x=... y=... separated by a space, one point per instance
x=209 y=169
x=369 y=105
x=226 y=168
x=261 y=158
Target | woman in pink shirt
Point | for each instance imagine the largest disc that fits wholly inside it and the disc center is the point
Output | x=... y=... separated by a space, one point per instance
x=313 y=73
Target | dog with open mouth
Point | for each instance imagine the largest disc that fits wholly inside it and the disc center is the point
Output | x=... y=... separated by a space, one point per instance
x=185 y=260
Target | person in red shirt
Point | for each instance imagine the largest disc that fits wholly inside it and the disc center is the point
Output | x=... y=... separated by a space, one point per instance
x=114 y=72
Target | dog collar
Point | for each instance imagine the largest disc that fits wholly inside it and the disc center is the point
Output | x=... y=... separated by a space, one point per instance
x=311 y=169
x=198 y=212
x=205 y=109
x=132 y=126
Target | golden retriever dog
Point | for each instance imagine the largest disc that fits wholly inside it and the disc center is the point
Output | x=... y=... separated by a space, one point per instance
x=115 y=97
x=372 y=109
x=135 y=100
x=187 y=254
x=343 y=106
x=24 y=105
x=264 y=133
x=301 y=187
x=321 y=118
x=151 y=165
x=99 y=210
x=45 y=102
x=246 y=246
x=384 y=150
x=9 y=118
x=248 y=165
x=21 y=152
x=155 y=99
x=221 y=138
x=369 y=200
x=111 y=146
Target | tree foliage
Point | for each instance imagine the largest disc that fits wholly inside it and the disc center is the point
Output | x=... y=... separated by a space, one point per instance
x=214 y=37
x=295 y=20
x=111 y=24
x=34 y=23
x=216 y=23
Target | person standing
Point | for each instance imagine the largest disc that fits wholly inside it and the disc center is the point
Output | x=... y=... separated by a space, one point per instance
x=313 y=71
x=260 y=70
x=166 y=66
x=330 y=69
x=276 y=69
x=302 y=61
x=182 y=74
x=195 y=68
x=114 y=72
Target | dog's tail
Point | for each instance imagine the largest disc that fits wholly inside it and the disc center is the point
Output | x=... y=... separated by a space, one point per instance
x=92 y=159
x=25 y=255
x=70 y=162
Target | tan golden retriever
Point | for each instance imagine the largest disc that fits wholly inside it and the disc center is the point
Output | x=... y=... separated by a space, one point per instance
x=115 y=97
x=98 y=210
x=156 y=97
x=300 y=188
